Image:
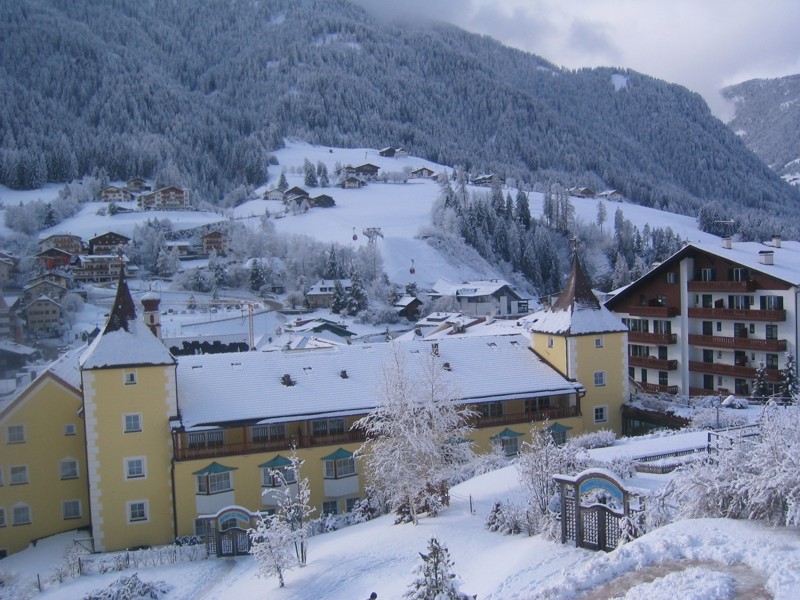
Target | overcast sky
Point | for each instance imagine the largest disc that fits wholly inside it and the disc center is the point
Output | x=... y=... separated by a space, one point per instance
x=702 y=44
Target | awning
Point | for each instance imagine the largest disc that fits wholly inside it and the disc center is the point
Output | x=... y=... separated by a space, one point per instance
x=276 y=463
x=340 y=454
x=214 y=468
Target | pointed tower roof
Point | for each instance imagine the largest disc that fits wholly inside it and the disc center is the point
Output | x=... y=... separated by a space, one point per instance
x=577 y=310
x=125 y=341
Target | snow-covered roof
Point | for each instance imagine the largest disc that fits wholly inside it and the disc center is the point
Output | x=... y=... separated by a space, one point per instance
x=786 y=257
x=469 y=289
x=125 y=340
x=327 y=285
x=218 y=388
x=577 y=310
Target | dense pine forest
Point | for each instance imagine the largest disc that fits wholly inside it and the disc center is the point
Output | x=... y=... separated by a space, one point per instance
x=200 y=93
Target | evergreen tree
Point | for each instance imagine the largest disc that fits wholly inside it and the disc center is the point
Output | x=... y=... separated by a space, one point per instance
x=257 y=278
x=602 y=215
x=357 y=299
x=283 y=185
x=760 y=386
x=322 y=174
x=789 y=386
x=435 y=577
x=311 y=175
x=332 y=268
x=522 y=210
x=339 y=301
x=621 y=275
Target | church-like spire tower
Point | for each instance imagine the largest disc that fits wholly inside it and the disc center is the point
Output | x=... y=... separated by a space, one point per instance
x=123 y=312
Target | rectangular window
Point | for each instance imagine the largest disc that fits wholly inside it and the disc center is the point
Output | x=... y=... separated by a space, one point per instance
x=638 y=351
x=707 y=274
x=671 y=277
x=135 y=468
x=344 y=467
x=133 y=422
x=137 y=511
x=19 y=474
x=2 y=517
x=772 y=361
x=69 y=429
x=550 y=341
x=325 y=427
x=214 y=483
x=276 y=477
x=21 y=515
x=599 y=378
x=129 y=377
x=639 y=325
x=491 y=409
x=661 y=326
x=206 y=439
x=772 y=332
x=200 y=528
x=16 y=434
x=739 y=302
x=350 y=504
x=740 y=274
x=771 y=302
x=330 y=507
x=68 y=468
x=71 y=509
x=263 y=433
x=510 y=446
x=663 y=378
x=598 y=342
x=600 y=414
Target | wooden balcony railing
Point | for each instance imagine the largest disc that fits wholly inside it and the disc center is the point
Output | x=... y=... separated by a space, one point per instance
x=736 y=343
x=651 y=362
x=731 y=370
x=654 y=388
x=721 y=286
x=737 y=314
x=251 y=447
x=661 y=339
x=527 y=417
x=663 y=312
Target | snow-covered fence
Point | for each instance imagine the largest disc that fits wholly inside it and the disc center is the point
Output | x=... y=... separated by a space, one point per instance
x=726 y=438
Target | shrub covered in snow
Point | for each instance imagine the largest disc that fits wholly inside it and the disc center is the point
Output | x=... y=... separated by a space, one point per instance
x=597 y=439
x=130 y=588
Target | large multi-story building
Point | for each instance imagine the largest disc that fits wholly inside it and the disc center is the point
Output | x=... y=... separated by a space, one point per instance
x=703 y=321
x=188 y=446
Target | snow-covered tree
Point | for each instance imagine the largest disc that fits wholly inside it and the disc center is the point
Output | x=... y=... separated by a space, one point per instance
x=271 y=544
x=602 y=215
x=283 y=185
x=293 y=507
x=357 y=299
x=760 y=385
x=257 y=278
x=539 y=461
x=789 y=387
x=339 y=302
x=405 y=435
x=435 y=578
x=522 y=210
x=310 y=174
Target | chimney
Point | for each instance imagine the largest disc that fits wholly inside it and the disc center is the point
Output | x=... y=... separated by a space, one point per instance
x=726 y=242
x=776 y=240
x=766 y=257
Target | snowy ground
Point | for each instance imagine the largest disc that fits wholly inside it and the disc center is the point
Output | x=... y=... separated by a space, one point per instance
x=708 y=559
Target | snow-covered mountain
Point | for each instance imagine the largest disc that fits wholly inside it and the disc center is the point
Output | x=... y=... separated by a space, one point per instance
x=767 y=118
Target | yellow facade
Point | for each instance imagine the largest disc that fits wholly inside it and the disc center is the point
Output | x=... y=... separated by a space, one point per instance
x=599 y=362
x=129 y=454
x=43 y=463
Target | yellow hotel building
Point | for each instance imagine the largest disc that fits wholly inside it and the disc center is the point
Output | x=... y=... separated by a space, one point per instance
x=142 y=447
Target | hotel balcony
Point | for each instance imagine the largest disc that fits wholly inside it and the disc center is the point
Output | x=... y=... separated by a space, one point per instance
x=721 y=286
x=526 y=417
x=659 y=339
x=740 y=371
x=658 y=312
x=737 y=343
x=651 y=362
x=737 y=314
x=654 y=388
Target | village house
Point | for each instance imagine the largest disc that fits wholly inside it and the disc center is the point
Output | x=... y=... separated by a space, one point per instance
x=408 y=307
x=107 y=243
x=323 y=201
x=422 y=173
x=8 y=268
x=112 y=193
x=320 y=295
x=615 y=195
x=52 y=258
x=63 y=241
x=387 y=152
x=352 y=182
x=493 y=296
x=705 y=319
x=366 y=171
x=581 y=192
x=145 y=472
x=171 y=197
x=97 y=267
x=41 y=314
x=43 y=287
x=183 y=247
x=273 y=194
x=137 y=184
x=293 y=193
x=216 y=241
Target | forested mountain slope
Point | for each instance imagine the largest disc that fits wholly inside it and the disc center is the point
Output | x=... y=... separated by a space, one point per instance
x=200 y=92
x=767 y=118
